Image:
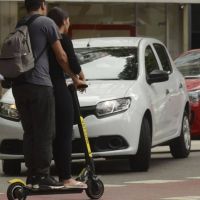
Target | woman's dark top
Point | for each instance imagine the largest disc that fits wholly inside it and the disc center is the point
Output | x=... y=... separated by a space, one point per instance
x=56 y=72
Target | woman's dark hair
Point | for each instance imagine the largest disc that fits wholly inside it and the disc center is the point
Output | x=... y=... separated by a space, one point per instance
x=58 y=15
x=33 y=5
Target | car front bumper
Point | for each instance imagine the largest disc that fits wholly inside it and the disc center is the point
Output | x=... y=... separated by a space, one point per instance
x=10 y=131
x=111 y=136
x=195 y=119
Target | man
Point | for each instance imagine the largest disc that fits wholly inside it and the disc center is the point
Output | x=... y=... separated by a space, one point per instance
x=34 y=98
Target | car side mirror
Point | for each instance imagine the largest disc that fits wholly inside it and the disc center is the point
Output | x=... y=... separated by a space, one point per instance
x=157 y=76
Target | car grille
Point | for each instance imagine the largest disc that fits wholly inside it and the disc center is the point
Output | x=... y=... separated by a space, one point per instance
x=100 y=144
x=13 y=147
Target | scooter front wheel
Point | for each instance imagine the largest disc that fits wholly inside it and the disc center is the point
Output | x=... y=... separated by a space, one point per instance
x=16 y=191
x=95 y=188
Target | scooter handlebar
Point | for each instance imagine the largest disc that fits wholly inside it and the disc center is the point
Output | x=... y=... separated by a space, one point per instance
x=82 y=86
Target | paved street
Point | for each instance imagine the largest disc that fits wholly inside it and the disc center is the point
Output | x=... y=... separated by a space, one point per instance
x=167 y=179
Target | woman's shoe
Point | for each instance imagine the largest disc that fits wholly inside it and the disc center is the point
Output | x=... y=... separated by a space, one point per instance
x=72 y=183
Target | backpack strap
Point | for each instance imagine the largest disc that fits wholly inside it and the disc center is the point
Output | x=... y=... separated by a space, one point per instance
x=28 y=23
x=32 y=19
x=43 y=50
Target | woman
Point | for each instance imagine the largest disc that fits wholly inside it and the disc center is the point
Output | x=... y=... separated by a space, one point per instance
x=63 y=101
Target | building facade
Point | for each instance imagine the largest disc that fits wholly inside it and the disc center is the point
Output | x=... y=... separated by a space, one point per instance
x=167 y=21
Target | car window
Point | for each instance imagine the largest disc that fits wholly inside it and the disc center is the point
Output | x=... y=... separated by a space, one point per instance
x=108 y=63
x=189 y=64
x=150 y=61
x=164 y=58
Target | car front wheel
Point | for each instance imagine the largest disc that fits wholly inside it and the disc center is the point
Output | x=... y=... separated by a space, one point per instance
x=141 y=161
x=11 y=167
x=180 y=146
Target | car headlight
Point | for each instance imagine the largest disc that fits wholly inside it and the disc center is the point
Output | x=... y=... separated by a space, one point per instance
x=112 y=106
x=9 y=111
x=194 y=96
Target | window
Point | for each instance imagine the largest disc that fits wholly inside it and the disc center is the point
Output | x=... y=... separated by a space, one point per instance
x=150 y=61
x=151 y=20
x=189 y=63
x=164 y=59
x=99 y=19
x=109 y=63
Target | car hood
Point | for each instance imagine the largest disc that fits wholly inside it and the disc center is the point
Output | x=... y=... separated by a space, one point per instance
x=103 y=90
x=97 y=91
x=193 y=84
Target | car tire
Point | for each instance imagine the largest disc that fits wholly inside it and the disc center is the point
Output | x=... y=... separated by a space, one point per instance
x=141 y=161
x=11 y=167
x=180 y=146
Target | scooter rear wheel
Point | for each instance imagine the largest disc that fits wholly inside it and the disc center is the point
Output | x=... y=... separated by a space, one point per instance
x=16 y=191
x=95 y=188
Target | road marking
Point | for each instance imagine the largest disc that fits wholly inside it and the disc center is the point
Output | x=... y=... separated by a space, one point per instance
x=154 y=181
x=111 y=185
x=197 y=177
x=183 y=198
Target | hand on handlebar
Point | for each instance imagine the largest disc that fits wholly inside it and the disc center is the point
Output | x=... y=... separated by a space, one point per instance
x=80 y=85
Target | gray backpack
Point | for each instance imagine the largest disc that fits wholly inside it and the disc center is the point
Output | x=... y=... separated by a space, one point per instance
x=16 y=53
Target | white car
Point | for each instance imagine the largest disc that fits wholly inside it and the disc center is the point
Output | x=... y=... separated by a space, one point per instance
x=136 y=100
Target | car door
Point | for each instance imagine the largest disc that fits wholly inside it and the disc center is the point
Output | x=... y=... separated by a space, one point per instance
x=158 y=99
x=174 y=107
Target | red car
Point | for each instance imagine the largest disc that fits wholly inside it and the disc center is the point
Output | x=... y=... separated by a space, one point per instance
x=188 y=64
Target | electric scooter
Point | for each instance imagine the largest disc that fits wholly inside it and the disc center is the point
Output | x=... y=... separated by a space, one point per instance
x=18 y=190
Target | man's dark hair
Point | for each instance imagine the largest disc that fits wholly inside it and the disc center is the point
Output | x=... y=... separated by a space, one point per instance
x=33 y=5
x=58 y=15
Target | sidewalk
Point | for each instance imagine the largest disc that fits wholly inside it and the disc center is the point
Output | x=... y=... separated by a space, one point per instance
x=195 y=147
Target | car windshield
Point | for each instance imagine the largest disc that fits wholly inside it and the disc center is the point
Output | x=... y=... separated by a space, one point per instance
x=189 y=64
x=108 y=63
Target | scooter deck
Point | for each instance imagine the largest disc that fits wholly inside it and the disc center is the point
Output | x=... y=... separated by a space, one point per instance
x=45 y=191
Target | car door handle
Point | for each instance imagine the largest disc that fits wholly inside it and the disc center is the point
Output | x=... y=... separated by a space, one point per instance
x=180 y=85
x=167 y=92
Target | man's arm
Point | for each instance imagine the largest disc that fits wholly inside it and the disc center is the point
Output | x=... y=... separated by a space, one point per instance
x=81 y=76
x=62 y=59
